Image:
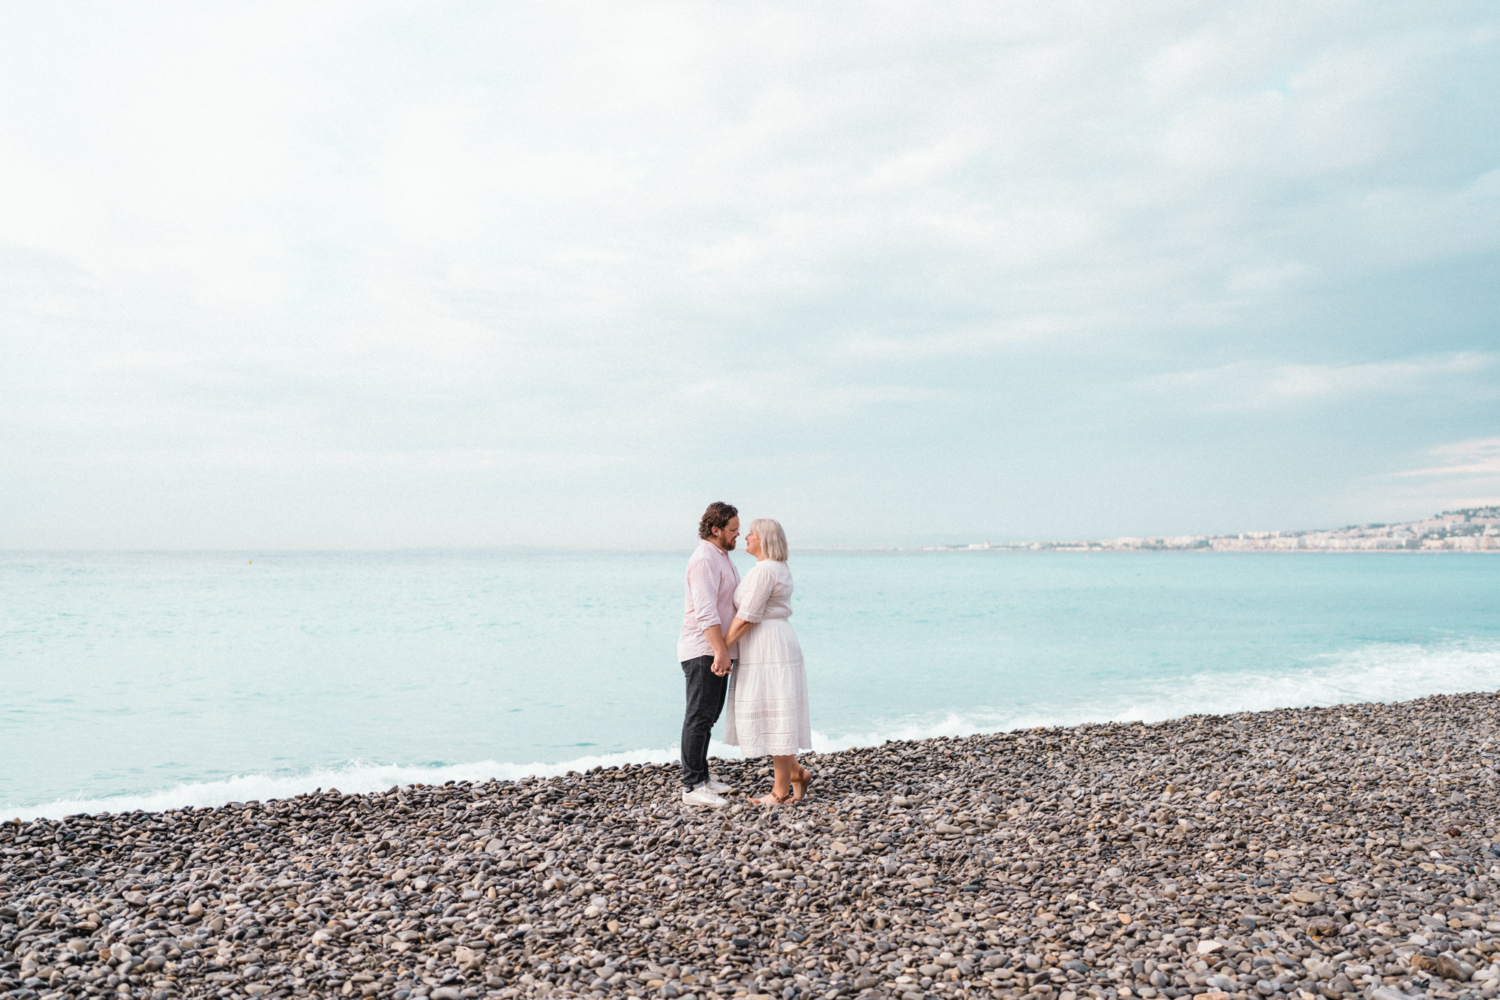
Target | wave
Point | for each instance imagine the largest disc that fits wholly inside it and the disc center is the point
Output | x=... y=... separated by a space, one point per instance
x=352 y=777
x=1378 y=672
x=1375 y=672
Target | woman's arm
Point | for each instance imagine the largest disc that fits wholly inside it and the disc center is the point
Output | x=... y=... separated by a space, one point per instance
x=739 y=628
x=754 y=607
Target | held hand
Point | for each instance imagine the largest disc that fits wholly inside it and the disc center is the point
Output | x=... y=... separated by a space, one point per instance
x=721 y=666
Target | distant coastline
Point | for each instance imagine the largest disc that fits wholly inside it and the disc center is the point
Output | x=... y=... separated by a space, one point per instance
x=1473 y=529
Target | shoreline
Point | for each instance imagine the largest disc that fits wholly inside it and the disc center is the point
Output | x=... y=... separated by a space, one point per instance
x=1290 y=853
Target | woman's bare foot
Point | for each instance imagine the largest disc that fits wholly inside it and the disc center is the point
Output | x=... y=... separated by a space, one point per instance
x=800 y=782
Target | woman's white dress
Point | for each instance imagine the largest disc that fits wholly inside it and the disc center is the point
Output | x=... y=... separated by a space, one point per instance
x=767 y=700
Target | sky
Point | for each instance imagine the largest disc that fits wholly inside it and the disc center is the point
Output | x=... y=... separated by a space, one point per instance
x=388 y=275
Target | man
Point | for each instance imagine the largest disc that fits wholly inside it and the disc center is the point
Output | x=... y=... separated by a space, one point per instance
x=706 y=658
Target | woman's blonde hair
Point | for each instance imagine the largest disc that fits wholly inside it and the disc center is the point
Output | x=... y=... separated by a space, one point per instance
x=772 y=540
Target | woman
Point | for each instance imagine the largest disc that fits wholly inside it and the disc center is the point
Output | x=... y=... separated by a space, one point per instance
x=767 y=700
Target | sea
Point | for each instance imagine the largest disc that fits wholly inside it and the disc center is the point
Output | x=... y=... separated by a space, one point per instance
x=161 y=680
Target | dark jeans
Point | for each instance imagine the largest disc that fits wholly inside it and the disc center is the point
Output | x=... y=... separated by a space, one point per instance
x=705 y=700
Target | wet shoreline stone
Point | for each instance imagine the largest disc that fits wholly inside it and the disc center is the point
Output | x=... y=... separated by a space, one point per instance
x=1301 y=853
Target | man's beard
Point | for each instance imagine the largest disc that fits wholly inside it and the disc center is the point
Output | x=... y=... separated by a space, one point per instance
x=730 y=546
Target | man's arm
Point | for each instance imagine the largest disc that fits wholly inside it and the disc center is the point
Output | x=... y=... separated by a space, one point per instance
x=706 y=611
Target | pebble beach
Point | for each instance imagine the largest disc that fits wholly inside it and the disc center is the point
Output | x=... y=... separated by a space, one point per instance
x=1299 y=853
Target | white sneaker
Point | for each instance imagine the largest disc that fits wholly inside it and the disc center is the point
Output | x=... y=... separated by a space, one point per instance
x=718 y=785
x=701 y=796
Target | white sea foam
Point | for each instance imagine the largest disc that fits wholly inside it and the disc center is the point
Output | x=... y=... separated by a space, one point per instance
x=1377 y=672
x=354 y=777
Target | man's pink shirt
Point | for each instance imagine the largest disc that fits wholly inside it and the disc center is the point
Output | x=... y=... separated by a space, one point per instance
x=711 y=579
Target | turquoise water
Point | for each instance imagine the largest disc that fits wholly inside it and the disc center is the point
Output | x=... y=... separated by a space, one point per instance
x=152 y=680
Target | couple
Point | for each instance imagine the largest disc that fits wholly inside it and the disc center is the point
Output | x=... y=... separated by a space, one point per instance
x=736 y=642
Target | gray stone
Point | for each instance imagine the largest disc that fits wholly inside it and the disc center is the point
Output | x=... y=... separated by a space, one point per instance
x=1275 y=804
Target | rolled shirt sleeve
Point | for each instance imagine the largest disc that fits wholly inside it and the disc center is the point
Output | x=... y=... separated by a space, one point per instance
x=703 y=587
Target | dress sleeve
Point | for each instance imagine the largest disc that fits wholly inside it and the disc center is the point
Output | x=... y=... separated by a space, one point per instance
x=757 y=595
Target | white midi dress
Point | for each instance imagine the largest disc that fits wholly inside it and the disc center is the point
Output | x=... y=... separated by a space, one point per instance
x=767 y=700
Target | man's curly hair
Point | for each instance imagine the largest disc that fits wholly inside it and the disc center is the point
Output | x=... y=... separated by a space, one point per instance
x=717 y=516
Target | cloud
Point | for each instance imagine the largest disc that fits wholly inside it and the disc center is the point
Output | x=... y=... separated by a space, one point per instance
x=388 y=241
x=1256 y=385
x=786 y=394
x=425 y=461
x=1467 y=475
x=1477 y=457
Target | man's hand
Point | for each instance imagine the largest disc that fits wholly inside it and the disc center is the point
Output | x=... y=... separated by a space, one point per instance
x=721 y=665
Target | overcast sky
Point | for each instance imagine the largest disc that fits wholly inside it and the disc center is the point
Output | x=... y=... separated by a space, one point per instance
x=374 y=274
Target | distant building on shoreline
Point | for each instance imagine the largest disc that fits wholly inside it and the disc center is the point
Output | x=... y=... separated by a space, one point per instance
x=1474 y=529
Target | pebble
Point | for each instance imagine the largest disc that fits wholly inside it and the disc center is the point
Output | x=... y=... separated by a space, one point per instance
x=1299 y=854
